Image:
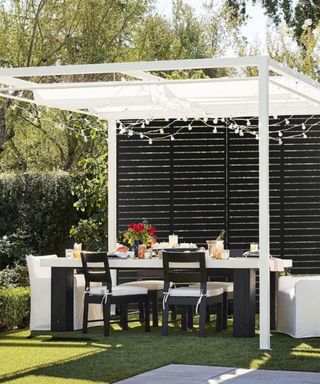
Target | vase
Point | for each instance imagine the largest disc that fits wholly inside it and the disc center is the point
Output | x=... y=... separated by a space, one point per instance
x=135 y=247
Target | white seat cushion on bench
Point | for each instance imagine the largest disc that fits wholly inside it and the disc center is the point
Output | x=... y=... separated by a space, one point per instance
x=194 y=292
x=225 y=285
x=119 y=290
x=151 y=285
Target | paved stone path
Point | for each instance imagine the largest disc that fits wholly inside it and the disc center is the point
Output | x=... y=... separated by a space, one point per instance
x=197 y=374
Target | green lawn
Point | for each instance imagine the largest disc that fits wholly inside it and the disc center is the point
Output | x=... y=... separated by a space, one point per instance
x=95 y=359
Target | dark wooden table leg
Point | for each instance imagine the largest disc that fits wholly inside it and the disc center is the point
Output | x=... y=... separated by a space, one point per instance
x=244 y=302
x=274 y=276
x=62 y=299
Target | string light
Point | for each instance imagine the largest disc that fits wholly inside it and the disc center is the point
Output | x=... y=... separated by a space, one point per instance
x=130 y=133
x=280 y=134
x=172 y=138
x=215 y=130
x=280 y=141
x=141 y=135
x=190 y=127
x=275 y=117
x=241 y=133
x=303 y=126
x=304 y=135
x=215 y=120
x=143 y=125
x=287 y=121
x=248 y=123
x=147 y=122
x=161 y=130
x=150 y=141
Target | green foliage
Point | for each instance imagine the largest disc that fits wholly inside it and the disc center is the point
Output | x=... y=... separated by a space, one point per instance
x=90 y=187
x=36 y=213
x=14 y=248
x=14 y=277
x=14 y=307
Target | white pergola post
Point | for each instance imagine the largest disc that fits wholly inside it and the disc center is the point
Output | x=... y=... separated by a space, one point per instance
x=264 y=221
x=112 y=185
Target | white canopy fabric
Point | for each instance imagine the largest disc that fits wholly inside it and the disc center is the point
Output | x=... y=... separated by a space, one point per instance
x=224 y=97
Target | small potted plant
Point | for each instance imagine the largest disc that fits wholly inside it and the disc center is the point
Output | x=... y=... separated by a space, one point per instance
x=138 y=233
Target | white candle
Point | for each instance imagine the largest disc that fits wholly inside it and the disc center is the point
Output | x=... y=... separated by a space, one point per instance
x=173 y=240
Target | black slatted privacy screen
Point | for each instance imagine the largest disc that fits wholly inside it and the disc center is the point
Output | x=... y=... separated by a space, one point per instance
x=203 y=182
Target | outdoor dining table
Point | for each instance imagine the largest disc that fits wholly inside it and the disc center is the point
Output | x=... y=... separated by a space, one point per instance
x=244 y=277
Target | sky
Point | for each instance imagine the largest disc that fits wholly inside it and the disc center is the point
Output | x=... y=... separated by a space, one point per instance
x=256 y=27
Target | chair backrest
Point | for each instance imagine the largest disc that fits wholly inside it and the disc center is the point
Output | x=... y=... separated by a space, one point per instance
x=184 y=267
x=96 y=268
x=35 y=270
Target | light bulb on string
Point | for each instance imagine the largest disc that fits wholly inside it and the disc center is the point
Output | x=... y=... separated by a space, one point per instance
x=275 y=117
x=150 y=141
x=215 y=130
x=280 y=134
x=215 y=120
x=161 y=130
x=248 y=123
x=303 y=126
x=287 y=121
x=241 y=133
x=280 y=141
x=166 y=119
x=143 y=125
x=172 y=138
x=223 y=119
x=304 y=135
x=120 y=125
x=257 y=136
x=185 y=119
x=190 y=127
x=231 y=126
x=130 y=133
x=141 y=135
x=147 y=122
x=205 y=119
x=237 y=130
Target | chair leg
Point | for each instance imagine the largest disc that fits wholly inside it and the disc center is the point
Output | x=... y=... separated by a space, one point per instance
x=202 y=320
x=147 y=315
x=225 y=311
x=184 y=318
x=106 y=318
x=155 y=311
x=173 y=312
x=208 y=314
x=141 y=313
x=165 y=319
x=85 y=314
x=220 y=314
x=190 y=316
x=124 y=315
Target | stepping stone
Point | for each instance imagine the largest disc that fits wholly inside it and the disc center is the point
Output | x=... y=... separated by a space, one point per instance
x=198 y=374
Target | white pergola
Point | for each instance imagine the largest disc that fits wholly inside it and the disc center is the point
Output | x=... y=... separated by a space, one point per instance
x=278 y=90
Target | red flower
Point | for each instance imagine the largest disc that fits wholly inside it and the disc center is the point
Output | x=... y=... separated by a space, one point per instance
x=139 y=227
x=132 y=226
x=151 y=230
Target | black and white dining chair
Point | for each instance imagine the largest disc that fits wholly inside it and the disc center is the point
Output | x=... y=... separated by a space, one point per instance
x=96 y=270
x=188 y=268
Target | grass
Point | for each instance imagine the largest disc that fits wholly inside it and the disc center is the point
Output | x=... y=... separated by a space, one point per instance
x=76 y=358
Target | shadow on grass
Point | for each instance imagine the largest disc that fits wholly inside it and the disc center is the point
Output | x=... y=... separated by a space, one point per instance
x=128 y=353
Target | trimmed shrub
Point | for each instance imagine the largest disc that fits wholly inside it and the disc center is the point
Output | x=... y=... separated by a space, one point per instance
x=38 y=208
x=14 y=307
x=14 y=277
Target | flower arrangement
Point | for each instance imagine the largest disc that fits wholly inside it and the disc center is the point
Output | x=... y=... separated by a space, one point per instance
x=142 y=232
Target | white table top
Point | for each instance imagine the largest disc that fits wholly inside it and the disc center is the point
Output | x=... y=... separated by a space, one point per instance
x=276 y=265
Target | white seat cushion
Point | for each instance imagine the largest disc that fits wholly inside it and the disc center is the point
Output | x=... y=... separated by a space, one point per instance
x=151 y=285
x=119 y=290
x=194 y=292
x=225 y=285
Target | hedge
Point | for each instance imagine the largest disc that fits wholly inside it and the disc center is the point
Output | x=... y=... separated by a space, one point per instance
x=14 y=307
x=37 y=209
